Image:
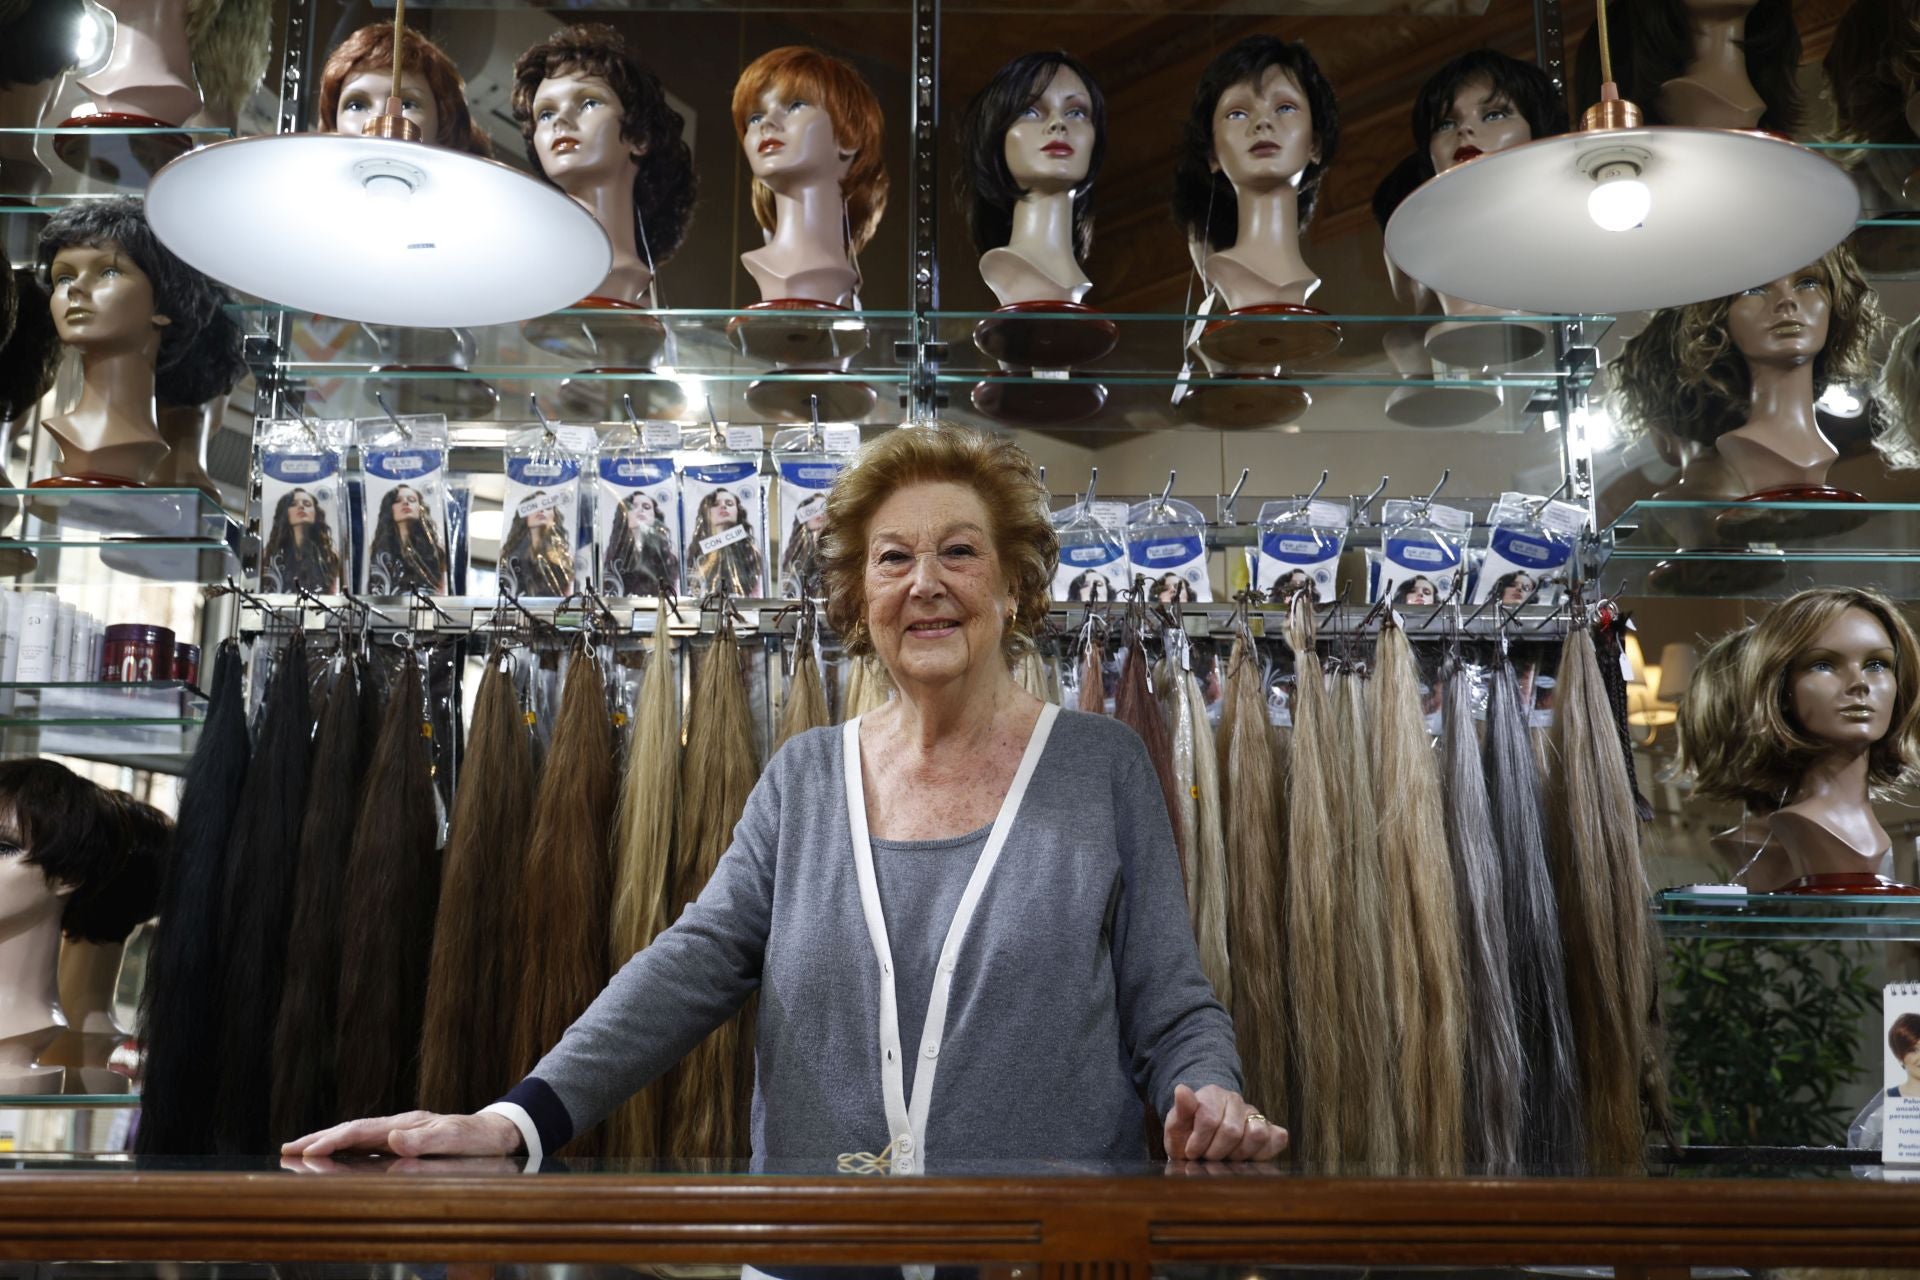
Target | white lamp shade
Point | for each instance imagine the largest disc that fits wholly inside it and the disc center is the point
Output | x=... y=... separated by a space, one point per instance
x=1726 y=210
x=387 y=232
x=1676 y=670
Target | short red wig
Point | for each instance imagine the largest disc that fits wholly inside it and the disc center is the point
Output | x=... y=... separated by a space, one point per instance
x=371 y=49
x=857 y=126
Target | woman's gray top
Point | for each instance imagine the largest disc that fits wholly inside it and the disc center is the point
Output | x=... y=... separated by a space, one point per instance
x=1077 y=988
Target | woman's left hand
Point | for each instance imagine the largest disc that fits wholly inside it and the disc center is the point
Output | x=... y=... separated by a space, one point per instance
x=1218 y=1124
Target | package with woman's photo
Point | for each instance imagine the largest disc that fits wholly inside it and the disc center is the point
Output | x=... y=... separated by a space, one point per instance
x=304 y=529
x=1093 y=551
x=1531 y=541
x=1900 y=1074
x=1298 y=549
x=723 y=497
x=804 y=471
x=405 y=535
x=541 y=511
x=1167 y=546
x=1422 y=546
x=637 y=511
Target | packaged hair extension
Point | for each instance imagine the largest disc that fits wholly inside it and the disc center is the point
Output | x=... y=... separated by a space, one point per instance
x=1093 y=552
x=1527 y=552
x=724 y=500
x=636 y=514
x=1299 y=549
x=405 y=540
x=542 y=510
x=1167 y=545
x=305 y=534
x=1421 y=552
x=805 y=470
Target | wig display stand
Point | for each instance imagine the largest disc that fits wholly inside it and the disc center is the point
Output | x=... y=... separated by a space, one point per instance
x=1422 y=404
x=600 y=394
x=406 y=351
x=1716 y=577
x=1267 y=336
x=186 y=429
x=1850 y=884
x=803 y=336
x=1239 y=400
x=620 y=336
x=147 y=84
x=21 y=1071
x=22 y=176
x=1484 y=344
x=1045 y=341
x=114 y=155
x=1762 y=523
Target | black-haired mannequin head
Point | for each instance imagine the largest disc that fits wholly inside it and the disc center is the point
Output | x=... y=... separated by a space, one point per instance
x=597 y=124
x=1261 y=133
x=37 y=43
x=1035 y=138
x=1483 y=101
x=1716 y=64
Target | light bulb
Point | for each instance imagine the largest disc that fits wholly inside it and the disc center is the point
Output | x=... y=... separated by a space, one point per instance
x=1619 y=201
x=93 y=39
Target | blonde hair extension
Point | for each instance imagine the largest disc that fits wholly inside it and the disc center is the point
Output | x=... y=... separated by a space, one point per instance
x=1030 y=673
x=1178 y=717
x=1209 y=898
x=805 y=706
x=1254 y=869
x=867 y=689
x=568 y=885
x=706 y=1094
x=1428 y=988
x=1602 y=892
x=1321 y=1034
x=1496 y=1072
x=1370 y=1131
x=643 y=824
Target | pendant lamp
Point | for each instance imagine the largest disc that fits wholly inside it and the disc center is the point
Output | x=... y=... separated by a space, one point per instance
x=380 y=228
x=1621 y=216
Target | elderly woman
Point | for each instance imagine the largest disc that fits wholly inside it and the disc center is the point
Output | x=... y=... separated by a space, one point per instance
x=967 y=882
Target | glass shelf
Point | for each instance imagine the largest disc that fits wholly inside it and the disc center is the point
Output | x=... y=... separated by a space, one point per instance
x=55 y=164
x=159 y=745
x=1789 y=916
x=62 y=562
x=1763 y=550
x=159 y=704
x=39 y=517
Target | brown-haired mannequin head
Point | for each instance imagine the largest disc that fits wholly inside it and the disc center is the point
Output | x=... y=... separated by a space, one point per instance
x=1873 y=73
x=358 y=76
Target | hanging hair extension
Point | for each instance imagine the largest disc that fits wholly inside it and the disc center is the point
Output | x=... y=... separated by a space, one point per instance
x=1603 y=908
x=1550 y=1127
x=805 y=706
x=1610 y=650
x=1496 y=1071
x=1370 y=1131
x=181 y=1006
x=466 y=1045
x=643 y=825
x=707 y=1094
x=1092 y=697
x=1321 y=1028
x=563 y=917
x=1184 y=797
x=1255 y=872
x=389 y=899
x=1429 y=1000
x=303 y=1047
x=1135 y=706
x=868 y=687
x=1208 y=901
x=257 y=906
x=1030 y=673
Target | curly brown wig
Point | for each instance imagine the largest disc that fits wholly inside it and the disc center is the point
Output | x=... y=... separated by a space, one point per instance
x=1682 y=375
x=1873 y=68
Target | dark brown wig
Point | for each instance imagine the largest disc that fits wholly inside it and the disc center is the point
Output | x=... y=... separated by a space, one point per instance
x=983 y=134
x=566 y=889
x=303 y=1045
x=392 y=885
x=1651 y=43
x=257 y=904
x=181 y=1007
x=1873 y=68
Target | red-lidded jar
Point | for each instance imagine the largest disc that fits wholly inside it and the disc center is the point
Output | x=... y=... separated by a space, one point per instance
x=186 y=663
x=137 y=652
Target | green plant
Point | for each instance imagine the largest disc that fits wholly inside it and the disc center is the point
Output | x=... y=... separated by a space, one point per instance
x=1762 y=1038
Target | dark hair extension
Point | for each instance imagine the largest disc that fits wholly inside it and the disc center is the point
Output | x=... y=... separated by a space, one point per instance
x=1604 y=916
x=1610 y=646
x=1204 y=202
x=1495 y=1069
x=1092 y=694
x=257 y=904
x=30 y=357
x=1651 y=44
x=180 y=1006
x=1401 y=181
x=992 y=190
x=39 y=42
x=566 y=890
x=707 y=1094
x=1135 y=706
x=1257 y=878
x=392 y=884
x=1530 y=90
x=303 y=1046
x=466 y=1058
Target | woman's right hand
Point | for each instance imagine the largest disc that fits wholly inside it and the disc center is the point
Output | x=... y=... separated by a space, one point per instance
x=414 y=1133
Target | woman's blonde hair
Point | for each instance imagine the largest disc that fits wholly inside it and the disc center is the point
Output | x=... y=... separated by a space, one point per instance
x=1768 y=750
x=858 y=126
x=994 y=467
x=1683 y=377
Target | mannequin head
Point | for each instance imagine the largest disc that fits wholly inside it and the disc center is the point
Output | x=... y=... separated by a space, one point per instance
x=68 y=845
x=1652 y=43
x=359 y=74
x=1275 y=86
x=583 y=79
x=30 y=358
x=786 y=92
x=1487 y=101
x=200 y=348
x=1873 y=71
x=1898 y=396
x=1831 y=668
x=1687 y=375
x=1036 y=100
